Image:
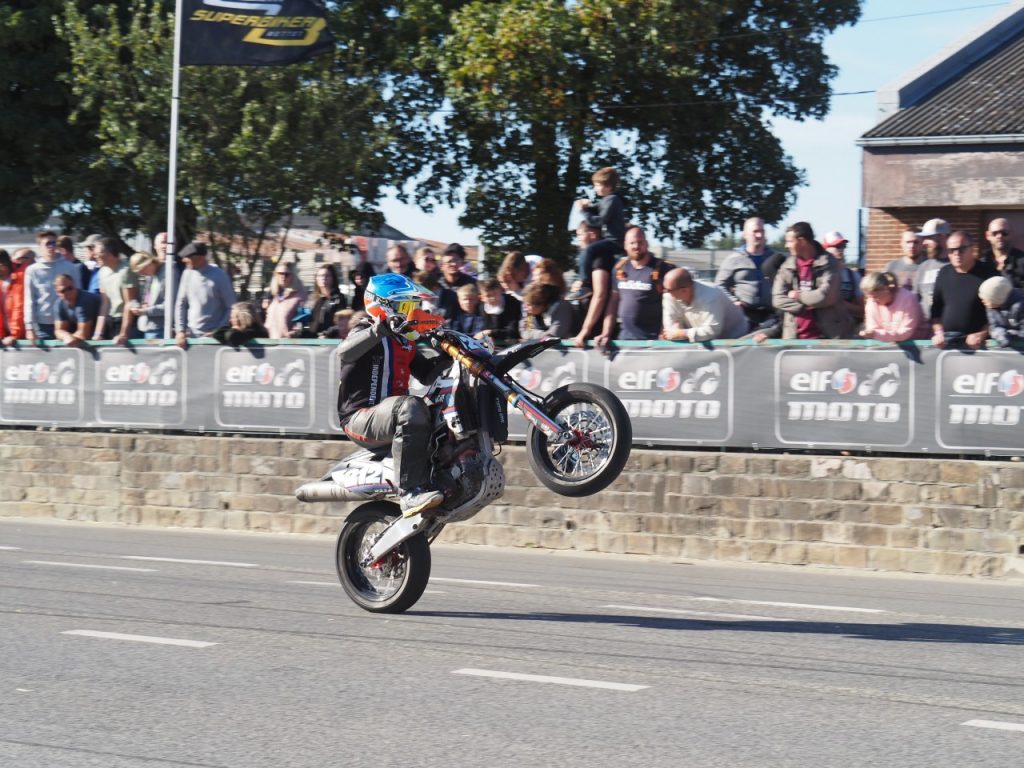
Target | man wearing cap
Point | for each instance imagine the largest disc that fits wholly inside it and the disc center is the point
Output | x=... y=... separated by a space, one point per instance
x=905 y=267
x=77 y=312
x=452 y=275
x=1009 y=261
x=957 y=314
x=40 y=297
x=933 y=237
x=1004 y=310
x=204 y=296
x=149 y=313
x=849 y=284
x=14 y=302
x=91 y=243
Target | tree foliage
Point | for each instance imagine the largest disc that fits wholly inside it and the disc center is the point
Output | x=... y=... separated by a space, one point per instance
x=677 y=94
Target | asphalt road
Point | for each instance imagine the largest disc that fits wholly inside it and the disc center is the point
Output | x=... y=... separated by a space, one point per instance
x=117 y=654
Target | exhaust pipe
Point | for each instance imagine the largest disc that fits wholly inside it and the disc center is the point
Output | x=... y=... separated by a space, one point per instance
x=325 y=490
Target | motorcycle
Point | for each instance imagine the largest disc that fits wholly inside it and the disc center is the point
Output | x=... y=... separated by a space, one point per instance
x=578 y=440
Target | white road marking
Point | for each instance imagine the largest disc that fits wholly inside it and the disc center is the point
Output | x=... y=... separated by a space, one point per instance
x=740 y=616
x=996 y=724
x=190 y=562
x=789 y=605
x=547 y=679
x=485 y=583
x=139 y=638
x=86 y=565
x=10 y=549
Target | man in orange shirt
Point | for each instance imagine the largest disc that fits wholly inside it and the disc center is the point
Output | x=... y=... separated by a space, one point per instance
x=14 y=302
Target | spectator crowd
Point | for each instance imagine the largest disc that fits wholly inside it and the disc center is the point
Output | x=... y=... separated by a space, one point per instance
x=943 y=287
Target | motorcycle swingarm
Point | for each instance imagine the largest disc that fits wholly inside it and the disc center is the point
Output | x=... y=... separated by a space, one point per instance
x=403 y=528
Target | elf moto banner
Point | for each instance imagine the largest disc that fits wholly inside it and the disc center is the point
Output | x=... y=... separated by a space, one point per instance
x=835 y=398
x=855 y=395
x=141 y=385
x=253 y=32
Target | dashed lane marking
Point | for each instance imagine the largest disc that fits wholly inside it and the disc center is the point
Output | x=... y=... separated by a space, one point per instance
x=548 y=679
x=87 y=565
x=139 y=638
x=485 y=583
x=190 y=562
x=775 y=604
x=684 y=612
x=996 y=724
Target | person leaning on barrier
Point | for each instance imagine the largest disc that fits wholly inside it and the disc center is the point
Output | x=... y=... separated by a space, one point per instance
x=807 y=289
x=243 y=326
x=933 y=236
x=638 y=283
x=1004 y=309
x=891 y=311
x=696 y=311
x=40 y=298
x=149 y=312
x=742 y=274
x=204 y=297
x=545 y=313
x=119 y=287
x=958 y=316
x=77 y=312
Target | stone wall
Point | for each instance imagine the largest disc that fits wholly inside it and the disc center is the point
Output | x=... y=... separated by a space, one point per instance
x=924 y=515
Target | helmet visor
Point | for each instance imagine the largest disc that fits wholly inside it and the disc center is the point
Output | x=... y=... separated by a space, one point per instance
x=406 y=307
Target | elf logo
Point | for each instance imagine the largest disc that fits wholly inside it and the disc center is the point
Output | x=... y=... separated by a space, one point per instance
x=884 y=381
x=292 y=375
x=705 y=380
x=1008 y=383
x=42 y=373
x=164 y=374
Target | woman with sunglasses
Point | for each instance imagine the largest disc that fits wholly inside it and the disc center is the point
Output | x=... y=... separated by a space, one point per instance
x=287 y=298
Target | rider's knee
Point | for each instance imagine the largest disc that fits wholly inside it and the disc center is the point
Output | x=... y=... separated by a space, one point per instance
x=413 y=413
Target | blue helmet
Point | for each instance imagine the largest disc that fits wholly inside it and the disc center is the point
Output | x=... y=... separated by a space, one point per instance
x=393 y=294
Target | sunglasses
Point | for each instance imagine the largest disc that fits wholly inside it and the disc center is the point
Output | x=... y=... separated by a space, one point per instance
x=50 y=243
x=283 y=274
x=1000 y=233
x=961 y=249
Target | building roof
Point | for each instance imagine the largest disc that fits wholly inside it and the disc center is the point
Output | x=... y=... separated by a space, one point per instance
x=969 y=90
x=987 y=99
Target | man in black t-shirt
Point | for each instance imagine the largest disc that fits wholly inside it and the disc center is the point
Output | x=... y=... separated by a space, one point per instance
x=957 y=314
x=637 y=287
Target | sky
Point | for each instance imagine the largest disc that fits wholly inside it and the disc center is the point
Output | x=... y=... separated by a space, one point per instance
x=877 y=50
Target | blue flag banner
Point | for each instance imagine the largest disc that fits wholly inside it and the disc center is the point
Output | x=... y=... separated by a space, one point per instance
x=246 y=33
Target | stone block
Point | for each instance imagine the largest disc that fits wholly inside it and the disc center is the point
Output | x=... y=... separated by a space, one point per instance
x=696 y=485
x=886 y=514
x=849 y=489
x=856 y=469
x=661 y=524
x=761 y=551
x=826 y=467
x=821 y=554
x=854 y=512
x=611 y=542
x=705 y=464
x=809 y=531
x=883 y=559
x=639 y=544
x=698 y=547
x=791 y=553
x=732 y=464
x=920 y=561
x=903 y=537
x=959 y=472
x=500 y=535
x=684 y=525
x=732 y=551
x=985 y=565
x=792 y=467
x=852 y=557
x=952 y=563
x=869 y=535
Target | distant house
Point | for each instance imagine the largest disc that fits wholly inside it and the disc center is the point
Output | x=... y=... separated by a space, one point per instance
x=951 y=141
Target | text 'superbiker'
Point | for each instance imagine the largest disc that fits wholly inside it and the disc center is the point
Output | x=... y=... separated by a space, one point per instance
x=374 y=404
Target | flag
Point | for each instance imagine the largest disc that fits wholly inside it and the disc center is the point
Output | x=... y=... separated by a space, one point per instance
x=254 y=33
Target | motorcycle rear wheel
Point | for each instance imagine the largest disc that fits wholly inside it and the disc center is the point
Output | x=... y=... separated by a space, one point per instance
x=602 y=437
x=397 y=581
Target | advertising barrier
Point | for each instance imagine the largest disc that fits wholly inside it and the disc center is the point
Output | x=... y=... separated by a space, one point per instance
x=906 y=399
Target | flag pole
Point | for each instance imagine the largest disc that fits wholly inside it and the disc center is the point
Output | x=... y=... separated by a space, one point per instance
x=172 y=177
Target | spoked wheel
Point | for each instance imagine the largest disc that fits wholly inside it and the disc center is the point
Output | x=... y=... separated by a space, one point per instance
x=595 y=444
x=397 y=581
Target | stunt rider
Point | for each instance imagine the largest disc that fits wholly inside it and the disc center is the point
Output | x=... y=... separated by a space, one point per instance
x=374 y=403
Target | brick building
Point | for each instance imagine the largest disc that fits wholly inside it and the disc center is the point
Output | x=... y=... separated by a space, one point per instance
x=950 y=142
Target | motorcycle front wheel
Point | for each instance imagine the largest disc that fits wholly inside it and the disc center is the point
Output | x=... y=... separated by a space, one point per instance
x=594 y=448
x=394 y=583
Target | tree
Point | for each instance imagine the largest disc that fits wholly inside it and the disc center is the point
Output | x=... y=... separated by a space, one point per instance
x=257 y=145
x=677 y=94
x=37 y=142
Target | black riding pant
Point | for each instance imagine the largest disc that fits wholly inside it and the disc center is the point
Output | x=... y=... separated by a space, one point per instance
x=403 y=423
